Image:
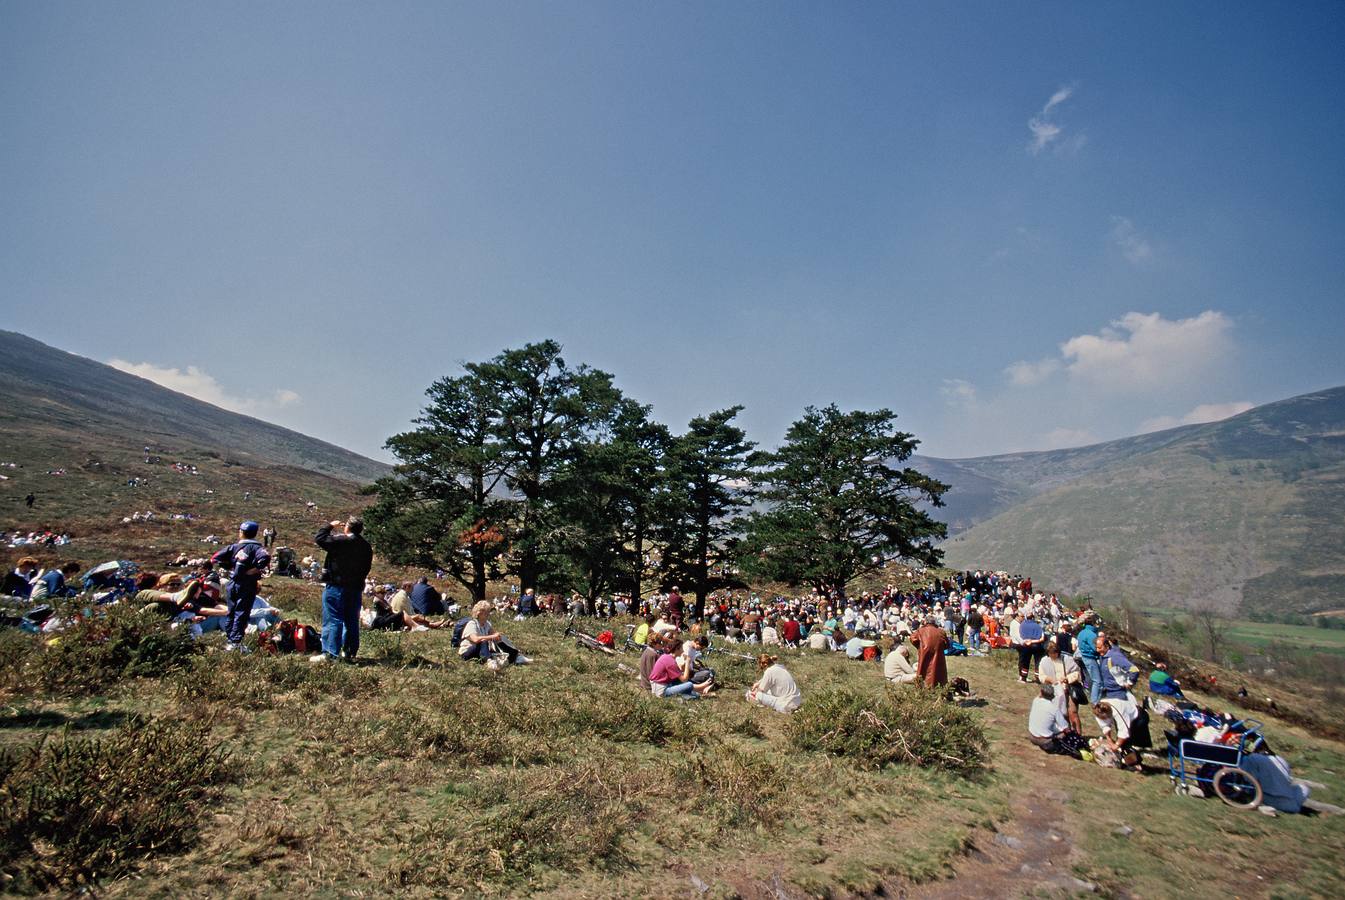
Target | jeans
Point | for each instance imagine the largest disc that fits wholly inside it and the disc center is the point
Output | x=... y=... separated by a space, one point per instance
x=1092 y=667
x=685 y=689
x=341 y=621
x=974 y=639
x=484 y=650
x=239 y=604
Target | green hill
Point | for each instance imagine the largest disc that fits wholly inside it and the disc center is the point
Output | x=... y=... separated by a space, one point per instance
x=1242 y=513
x=90 y=424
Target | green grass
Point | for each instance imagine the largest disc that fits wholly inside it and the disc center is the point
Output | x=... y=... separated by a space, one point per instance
x=415 y=774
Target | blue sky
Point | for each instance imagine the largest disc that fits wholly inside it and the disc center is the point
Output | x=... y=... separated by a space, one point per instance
x=1018 y=226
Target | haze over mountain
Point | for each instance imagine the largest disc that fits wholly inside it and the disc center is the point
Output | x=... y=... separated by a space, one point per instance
x=43 y=385
x=1242 y=513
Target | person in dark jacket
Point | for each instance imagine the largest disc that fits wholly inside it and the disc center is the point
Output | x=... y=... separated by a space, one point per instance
x=349 y=558
x=426 y=599
x=19 y=583
x=246 y=561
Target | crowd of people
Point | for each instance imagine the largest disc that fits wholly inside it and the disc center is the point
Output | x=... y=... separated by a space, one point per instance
x=906 y=632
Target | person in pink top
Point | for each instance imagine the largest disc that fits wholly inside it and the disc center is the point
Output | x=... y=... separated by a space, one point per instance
x=668 y=678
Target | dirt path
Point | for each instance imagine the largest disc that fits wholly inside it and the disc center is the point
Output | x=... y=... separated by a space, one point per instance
x=1034 y=851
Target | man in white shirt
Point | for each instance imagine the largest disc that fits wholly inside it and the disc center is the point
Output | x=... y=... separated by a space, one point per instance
x=1048 y=728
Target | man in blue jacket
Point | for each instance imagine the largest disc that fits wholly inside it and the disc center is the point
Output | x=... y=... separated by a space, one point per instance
x=246 y=561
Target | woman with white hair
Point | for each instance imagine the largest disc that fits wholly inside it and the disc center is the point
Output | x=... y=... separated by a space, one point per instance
x=481 y=641
x=776 y=688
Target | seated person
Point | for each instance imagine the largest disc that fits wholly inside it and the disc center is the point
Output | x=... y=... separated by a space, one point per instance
x=388 y=618
x=53 y=583
x=653 y=649
x=18 y=583
x=1048 y=728
x=641 y=635
x=691 y=656
x=425 y=599
x=481 y=641
x=1160 y=682
x=897 y=666
x=1279 y=791
x=770 y=637
x=668 y=678
x=776 y=688
x=854 y=648
x=817 y=640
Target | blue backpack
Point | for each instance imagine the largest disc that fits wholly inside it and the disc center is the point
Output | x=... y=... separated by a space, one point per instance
x=458 y=627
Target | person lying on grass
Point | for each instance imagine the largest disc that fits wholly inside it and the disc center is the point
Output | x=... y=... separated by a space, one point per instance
x=668 y=678
x=481 y=641
x=776 y=688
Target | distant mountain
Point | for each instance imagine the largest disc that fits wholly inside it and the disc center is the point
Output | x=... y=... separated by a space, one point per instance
x=1244 y=513
x=41 y=384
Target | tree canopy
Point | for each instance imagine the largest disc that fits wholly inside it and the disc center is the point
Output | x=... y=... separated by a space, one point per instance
x=836 y=504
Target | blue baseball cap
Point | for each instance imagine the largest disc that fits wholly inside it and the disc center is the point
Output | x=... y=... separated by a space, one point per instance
x=249 y=528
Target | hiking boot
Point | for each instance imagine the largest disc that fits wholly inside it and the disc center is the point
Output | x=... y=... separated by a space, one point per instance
x=319 y=658
x=522 y=660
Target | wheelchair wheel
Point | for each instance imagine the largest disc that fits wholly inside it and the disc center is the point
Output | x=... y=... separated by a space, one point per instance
x=1237 y=788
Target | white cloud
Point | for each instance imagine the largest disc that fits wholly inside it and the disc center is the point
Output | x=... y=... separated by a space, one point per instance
x=197 y=383
x=1027 y=374
x=1143 y=351
x=1205 y=412
x=1046 y=130
x=958 y=390
x=1134 y=246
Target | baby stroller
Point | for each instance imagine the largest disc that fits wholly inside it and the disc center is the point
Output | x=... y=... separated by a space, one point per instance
x=1213 y=766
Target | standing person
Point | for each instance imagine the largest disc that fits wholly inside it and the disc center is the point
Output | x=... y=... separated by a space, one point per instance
x=349 y=558
x=1089 y=658
x=931 y=667
x=675 y=606
x=246 y=560
x=268 y=537
x=1031 y=636
x=30 y=500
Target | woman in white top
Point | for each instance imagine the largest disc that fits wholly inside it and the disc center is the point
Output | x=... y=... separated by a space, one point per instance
x=775 y=688
x=1061 y=671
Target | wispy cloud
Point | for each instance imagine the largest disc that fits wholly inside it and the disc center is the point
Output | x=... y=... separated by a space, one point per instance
x=1047 y=130
x=959 y=391
x=194 y=382
x=1027 y=374
x=1134 y=246
x=1205 y=412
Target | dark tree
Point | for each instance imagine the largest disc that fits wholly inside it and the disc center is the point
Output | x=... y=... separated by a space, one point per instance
x=443 y=507
x=707 y=472
x=604 y=498
x=542 y=412
x=838 y=507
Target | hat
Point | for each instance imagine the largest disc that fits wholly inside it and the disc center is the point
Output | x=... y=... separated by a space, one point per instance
x=169 y=580
x=248 y=528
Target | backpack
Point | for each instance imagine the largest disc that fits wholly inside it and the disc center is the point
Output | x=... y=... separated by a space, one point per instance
x=458 y=627
x=290 y=636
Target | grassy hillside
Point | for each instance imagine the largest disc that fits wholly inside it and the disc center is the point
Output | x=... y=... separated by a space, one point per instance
x=1242 y=513
x=91 y=402
x=418 y=775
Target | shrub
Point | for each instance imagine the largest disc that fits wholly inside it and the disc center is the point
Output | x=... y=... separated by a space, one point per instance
x=72 y=811
x=567 y=818
x=738 y=786
x=913 y=726
x=114 y=642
